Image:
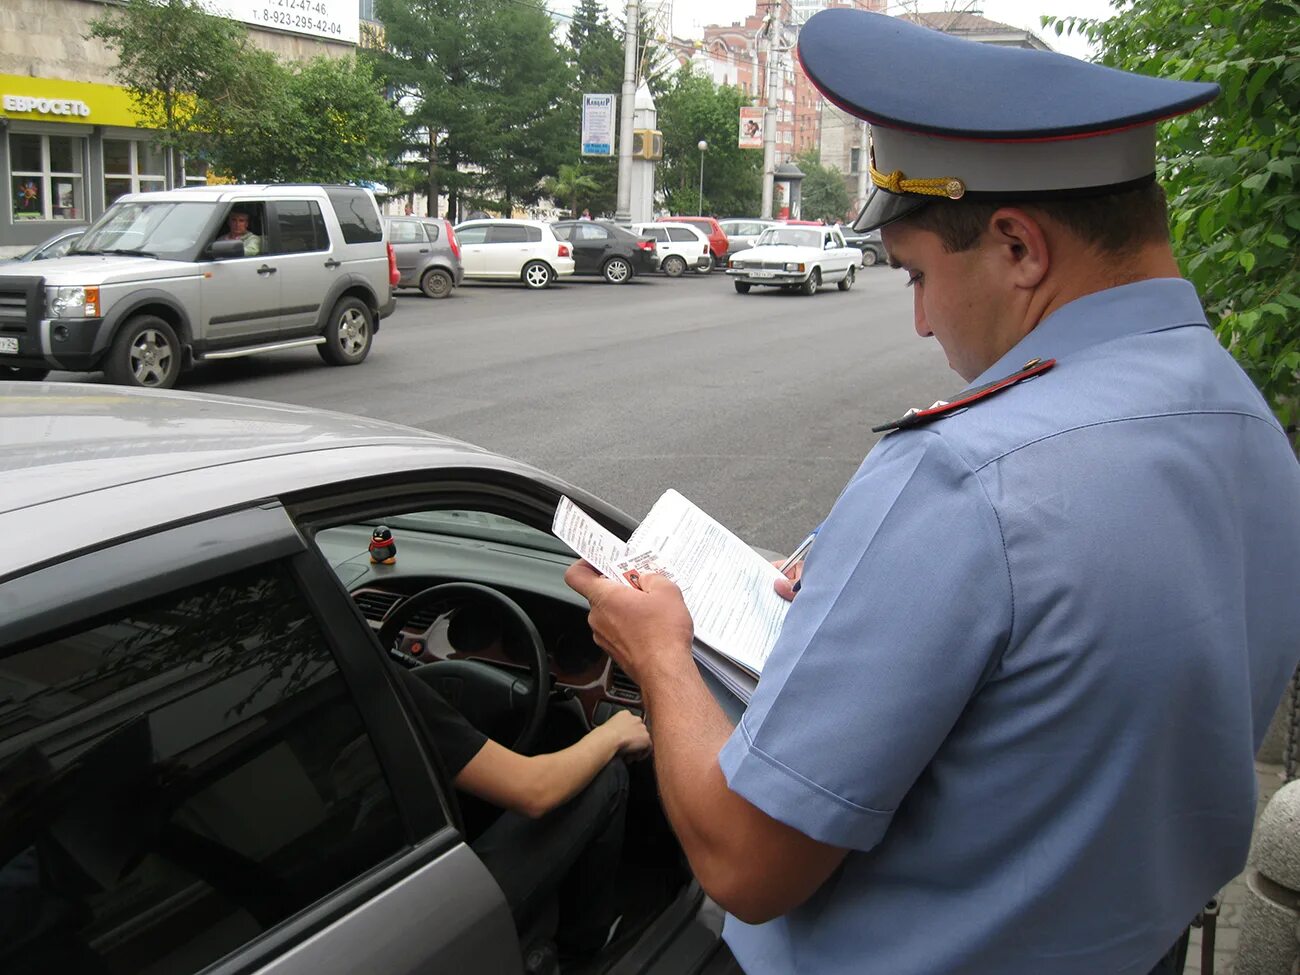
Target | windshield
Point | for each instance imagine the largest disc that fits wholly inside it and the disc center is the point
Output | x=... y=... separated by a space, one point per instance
x=479 y=525
x=788 y=235
x=162 y=229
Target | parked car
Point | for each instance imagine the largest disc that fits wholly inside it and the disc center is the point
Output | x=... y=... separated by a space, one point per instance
x=207 y=760
x=743 y=231
x=869 y=242
x=150 y=289
x=55 y=246
x=428 y=256
x=798 y=258
x=602 y=248
x=712 y=230
x=678 y=246
x=526 y=250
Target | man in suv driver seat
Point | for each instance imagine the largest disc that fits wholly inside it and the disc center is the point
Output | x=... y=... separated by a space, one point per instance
x=562 y=829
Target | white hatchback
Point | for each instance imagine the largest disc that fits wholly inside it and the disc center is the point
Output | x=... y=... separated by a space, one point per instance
x=526 y=250
x=677 y=246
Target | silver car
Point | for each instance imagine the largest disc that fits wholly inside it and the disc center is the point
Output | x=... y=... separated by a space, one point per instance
x=158 y=284
x=205 y=760
x=428 y=255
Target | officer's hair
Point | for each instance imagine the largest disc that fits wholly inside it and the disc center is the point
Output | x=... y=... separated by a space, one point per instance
x=1117 y=223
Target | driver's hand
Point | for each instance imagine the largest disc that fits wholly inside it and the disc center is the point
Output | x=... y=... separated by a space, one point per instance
x=631 y=737
x=785 y=586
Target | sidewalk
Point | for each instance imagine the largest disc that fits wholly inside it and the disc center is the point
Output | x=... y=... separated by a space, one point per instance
x=1234 y=895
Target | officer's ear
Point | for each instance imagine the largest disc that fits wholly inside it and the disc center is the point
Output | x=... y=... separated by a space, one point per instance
x=1021 y=246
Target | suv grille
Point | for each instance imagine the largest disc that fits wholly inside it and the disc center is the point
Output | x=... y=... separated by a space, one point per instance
x=17 y=311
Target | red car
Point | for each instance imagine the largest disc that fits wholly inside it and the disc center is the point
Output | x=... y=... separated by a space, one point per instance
x=711 y=229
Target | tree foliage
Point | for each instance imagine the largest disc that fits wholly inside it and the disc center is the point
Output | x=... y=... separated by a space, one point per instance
x=596 y=58
x=572 y=184
x=824 y=195
x=694 y=108
x=1231 y=169
x=212 y=95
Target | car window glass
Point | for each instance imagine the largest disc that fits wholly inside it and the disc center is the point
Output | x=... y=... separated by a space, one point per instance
x=177 y=778
x=681 y=234
x=358 y=218
x=301 y=227
x=562 y=231
x=165 y=229
x=472 y=235
x=405 y=232
x=658 y=233
x=507 y=233
x=431 y=231
x=534 y=234
x=589 y=231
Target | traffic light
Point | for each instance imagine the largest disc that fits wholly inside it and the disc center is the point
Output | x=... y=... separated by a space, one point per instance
x=647 y=144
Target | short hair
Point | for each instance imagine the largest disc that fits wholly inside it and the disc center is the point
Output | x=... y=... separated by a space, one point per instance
x=1115 y=223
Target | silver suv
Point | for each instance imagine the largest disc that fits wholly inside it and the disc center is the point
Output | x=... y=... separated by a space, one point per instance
x=165 y=280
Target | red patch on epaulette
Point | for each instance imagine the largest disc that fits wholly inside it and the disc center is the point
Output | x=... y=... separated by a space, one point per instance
x=915 y=418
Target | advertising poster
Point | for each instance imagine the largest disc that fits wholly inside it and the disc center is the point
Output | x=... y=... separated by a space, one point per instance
x=751 y=127
x=598 y=113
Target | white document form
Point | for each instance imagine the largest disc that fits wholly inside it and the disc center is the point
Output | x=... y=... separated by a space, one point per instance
x=593 y=541
x=728 y=587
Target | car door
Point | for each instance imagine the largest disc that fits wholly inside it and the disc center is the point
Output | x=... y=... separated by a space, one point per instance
x=592 y=244
x=473 y=249
x=507 y=249
x=199 y=774
x=240 y=296
x=411 y=248
x=299 y=242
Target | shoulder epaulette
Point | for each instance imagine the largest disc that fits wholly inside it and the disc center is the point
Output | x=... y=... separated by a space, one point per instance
x=916 y=418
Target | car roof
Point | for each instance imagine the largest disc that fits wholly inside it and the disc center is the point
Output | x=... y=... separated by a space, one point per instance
x=670 y=223
x=86 y=463
x=230 y=192
x=523 y=220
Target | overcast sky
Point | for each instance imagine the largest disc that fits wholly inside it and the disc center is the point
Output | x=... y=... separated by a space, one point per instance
x=690 y=16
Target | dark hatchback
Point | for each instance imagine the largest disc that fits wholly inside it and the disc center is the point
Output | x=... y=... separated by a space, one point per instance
x=602 y=248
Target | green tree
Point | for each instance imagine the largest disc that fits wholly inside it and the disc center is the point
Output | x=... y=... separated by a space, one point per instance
x=694 y=108
x=571 y=185
x=824 y=195
x=1231 y=169
x=170 y=81
x=596 y=57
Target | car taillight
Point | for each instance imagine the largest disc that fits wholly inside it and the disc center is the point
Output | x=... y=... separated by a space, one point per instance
x=564 y=250
x=393 y=275
x=646 y=245
x=453 y=243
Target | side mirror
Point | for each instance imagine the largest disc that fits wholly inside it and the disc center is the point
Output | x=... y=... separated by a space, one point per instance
x=223 y=249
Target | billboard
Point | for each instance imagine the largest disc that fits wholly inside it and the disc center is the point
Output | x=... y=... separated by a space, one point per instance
x=598 y=113
x=331 y=20
x=751 y=127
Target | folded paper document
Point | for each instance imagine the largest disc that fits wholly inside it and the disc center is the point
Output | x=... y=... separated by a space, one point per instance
x=728 y=587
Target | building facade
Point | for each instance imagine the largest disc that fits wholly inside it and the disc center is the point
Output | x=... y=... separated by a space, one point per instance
x=70 y=140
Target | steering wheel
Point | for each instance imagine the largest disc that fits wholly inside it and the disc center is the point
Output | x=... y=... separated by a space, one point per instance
x=484 y=694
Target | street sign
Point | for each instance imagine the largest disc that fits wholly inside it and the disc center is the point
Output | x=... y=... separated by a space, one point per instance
x=598 y=112
x=751 y=127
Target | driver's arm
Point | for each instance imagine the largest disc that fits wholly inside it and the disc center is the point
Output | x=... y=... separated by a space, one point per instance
x=533 y=785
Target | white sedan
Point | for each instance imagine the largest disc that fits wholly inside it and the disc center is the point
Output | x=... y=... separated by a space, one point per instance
x=796 y=259
x=523 y=250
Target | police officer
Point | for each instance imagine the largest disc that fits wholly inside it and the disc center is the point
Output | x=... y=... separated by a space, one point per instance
x=1009 y=723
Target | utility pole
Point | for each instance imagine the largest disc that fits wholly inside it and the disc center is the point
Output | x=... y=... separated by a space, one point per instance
x=626 y=104
x=772 y=27
x=864 y=160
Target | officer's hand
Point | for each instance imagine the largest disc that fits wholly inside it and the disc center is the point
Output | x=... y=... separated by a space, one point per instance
x=785 y=585
x=630 y=736
x=642 y=629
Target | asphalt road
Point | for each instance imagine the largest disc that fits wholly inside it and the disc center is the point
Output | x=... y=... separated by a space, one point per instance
x=756 y=407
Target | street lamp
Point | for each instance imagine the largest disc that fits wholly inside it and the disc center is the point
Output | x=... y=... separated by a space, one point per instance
x=699 y=209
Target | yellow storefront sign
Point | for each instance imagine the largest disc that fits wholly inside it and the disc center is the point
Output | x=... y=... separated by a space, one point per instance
x=52 y=100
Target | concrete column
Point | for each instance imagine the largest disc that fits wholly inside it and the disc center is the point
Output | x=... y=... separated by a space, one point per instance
x=1270 y=927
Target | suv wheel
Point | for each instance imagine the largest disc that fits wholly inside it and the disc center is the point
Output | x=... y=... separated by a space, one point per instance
x=617 y=271
x=869 y=257
x=846 y=282
x=537 y=275
x=813 y=282
x=348 y=334
x=145 y=352
x=674 y=266
x=436 y=283
x=28 y=373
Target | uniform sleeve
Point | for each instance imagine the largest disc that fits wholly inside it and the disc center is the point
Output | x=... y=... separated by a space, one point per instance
x=905 y=605
x=456 y=739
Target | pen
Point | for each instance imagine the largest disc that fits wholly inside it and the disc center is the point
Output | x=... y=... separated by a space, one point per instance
x=799 y=552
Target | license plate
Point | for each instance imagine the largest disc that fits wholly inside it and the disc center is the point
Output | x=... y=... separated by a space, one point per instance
x=8 y=345
x=762 y=274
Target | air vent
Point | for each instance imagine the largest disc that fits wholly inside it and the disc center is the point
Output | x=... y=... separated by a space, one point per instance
x=374 y=605
x=623 y=687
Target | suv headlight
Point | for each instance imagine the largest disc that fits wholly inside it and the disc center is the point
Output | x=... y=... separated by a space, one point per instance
x=74 y=302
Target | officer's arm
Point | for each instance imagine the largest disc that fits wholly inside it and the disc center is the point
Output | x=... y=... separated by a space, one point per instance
x=533 y=785
x=754 y=866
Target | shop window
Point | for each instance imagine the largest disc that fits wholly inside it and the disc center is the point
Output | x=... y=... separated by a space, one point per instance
x=48 y=176
x=192 y=172
x=132 y=167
